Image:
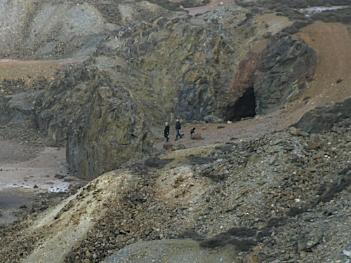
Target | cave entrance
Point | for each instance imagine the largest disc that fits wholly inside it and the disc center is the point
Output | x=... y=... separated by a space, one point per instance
x=245 y=107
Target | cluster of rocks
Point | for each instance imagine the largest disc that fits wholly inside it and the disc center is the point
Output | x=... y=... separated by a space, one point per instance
x=282 y=197
x=144 y=64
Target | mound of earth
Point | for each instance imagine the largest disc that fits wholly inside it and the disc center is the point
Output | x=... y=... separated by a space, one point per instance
x=123 y=68
x=186 y=251
x=102 y=77
x=282 y=197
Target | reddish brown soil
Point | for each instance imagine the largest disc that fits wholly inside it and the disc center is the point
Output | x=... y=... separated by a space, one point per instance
x=332 y=80
x=331 y=83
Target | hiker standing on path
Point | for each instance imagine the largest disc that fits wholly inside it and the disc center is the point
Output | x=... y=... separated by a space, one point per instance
x=178 y=127
x=166 y=131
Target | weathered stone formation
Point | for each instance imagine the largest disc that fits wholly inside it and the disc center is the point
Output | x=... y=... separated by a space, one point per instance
x=287 y=65
x=107 y=109
x=114 y=132
x=324 y=118
x=98 y=118
x=144 y=64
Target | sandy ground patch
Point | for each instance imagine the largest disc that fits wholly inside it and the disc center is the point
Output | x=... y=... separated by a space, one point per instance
x=332 y=79
x=26 y=171
x=28 y=70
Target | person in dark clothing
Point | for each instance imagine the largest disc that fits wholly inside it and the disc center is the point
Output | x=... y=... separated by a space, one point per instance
x=166 y=131
x=178 y=127
x=192 y=131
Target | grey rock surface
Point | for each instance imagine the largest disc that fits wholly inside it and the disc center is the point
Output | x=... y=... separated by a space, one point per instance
x=287 y=65
x=324 y=118
x=171 y=251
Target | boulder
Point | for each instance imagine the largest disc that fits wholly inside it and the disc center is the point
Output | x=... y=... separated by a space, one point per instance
x=323 y=119
x=18 y=108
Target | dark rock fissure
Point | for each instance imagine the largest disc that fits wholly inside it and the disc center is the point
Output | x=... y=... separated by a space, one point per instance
x=245 y=107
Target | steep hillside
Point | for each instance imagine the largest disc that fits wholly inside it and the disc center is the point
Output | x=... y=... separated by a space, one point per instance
x=266 y=84
x=281 y=197
x=153 y=63
x=152 y=83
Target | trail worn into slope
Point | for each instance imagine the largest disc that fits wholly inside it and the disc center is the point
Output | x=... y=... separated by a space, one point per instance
x=331 y=83
x=258 y=185
x=332 y=80
x=28 y=70
x=212 y=5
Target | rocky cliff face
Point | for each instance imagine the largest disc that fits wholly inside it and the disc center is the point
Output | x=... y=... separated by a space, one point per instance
x=283 y=196
x=119 y=69
x=323 y=118
x=135 y=65
x=145 y=73
x=286 y=67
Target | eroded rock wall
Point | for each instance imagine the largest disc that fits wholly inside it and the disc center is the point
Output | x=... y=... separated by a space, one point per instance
x=143 y=75
x=287 y=66
x=322 y=119
x=146 y=65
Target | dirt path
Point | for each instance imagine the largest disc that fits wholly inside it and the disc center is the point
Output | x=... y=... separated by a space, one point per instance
x=27 y=70
x=332 y=83
x=212 y=5
x=213 y=133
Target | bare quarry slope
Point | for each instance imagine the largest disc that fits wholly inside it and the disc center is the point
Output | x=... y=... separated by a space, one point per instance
x=101 y=78
x=279 y=197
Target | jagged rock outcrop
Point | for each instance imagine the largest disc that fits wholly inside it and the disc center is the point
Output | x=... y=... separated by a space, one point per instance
x=147 y=63
x=100 y=121
x=282 y=196
x=323 y=119
x=109 y=136
x=144 y=74
x=287 y=65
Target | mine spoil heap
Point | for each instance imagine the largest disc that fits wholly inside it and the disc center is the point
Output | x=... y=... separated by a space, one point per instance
x=267 y=86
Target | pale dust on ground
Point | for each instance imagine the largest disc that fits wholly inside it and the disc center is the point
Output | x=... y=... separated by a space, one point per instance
x=26 y=171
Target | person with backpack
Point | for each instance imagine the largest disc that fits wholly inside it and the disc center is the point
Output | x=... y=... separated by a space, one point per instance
x=178 y=127
x=166 y=131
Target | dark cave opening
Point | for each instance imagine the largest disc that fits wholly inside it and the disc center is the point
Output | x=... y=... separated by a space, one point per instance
x=245 y=107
